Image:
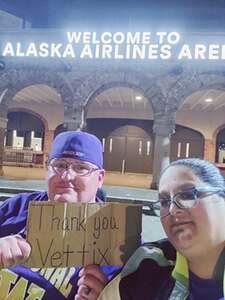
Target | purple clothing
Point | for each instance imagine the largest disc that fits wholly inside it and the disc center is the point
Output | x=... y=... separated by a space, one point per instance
x=207 y=289
x=20 y=282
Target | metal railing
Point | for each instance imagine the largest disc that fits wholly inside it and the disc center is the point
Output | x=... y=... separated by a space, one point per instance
x=22 y=157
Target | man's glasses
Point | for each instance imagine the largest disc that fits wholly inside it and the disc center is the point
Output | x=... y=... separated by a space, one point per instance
x=185 y=199
x=60 y=166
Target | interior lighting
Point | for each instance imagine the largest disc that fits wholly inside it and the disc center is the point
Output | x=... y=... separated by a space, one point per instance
x=208 y=100
x=138 y=98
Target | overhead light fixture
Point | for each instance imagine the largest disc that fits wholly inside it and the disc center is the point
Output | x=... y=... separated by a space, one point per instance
x=138 y=98
x=208 y=100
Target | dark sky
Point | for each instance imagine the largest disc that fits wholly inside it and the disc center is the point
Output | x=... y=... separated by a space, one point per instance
x=86 y=14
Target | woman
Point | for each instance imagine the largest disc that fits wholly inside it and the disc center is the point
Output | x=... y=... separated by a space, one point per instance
x=191 y=263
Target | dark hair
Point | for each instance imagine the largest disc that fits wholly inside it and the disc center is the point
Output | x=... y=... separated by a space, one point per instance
x=205 y=170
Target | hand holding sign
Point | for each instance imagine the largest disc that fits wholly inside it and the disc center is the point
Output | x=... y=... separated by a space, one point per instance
x=91 y=283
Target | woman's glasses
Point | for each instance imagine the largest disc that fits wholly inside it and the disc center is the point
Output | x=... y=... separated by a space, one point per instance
x=185 y=199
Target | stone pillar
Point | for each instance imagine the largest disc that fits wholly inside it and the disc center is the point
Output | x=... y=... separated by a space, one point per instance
x=161 y=158
x=3 y=125
x=209 y=150
x=48 y=138
x=74 y=118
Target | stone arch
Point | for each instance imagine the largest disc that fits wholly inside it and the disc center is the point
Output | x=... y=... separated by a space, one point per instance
x=191 y=82
x=19 y=109
x=15 y=80
x=98 y=82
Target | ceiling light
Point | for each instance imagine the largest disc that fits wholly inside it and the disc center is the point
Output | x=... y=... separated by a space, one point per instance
x=138 y=98
x=208 y=100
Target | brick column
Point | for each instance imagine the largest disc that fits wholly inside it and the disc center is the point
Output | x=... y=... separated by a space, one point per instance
x=161 y=159
x=49 y=135
x=209 y=150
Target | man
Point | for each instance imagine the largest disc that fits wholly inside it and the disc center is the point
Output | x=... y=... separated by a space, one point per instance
x=75 y=173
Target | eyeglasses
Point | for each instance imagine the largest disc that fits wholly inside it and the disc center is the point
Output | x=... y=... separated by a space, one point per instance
x=185 y=199
x=60 y=166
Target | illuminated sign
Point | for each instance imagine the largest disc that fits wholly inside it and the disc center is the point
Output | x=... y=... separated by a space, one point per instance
x=117 y=46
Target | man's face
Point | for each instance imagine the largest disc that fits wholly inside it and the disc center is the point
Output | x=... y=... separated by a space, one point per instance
x=77 y=183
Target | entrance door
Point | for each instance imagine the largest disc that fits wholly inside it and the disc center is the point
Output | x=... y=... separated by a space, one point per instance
x=128 y=154
x=114 y=153
x=138 y=155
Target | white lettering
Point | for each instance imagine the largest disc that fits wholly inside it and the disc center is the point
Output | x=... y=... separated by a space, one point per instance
x=86 y=52
x=106 y=38
x=86 y=37
x=153 y=52
x=133 y=38
x=55 y=50
x=118 y=38
x=94 y=38
x=18 y=50
x=139 y=51
x=31 y=50
x=106 y=51
x=173 y=38
x=74 y=37
x=117 y=54
x=185 y=52
x=165 y=52
x=200 y=51
x=8 y=50
x=44 y=50
x=146 y=38
x=214 y=52
x=97 y=51
x=161 y=36
x=127 y=55
x=69 y=51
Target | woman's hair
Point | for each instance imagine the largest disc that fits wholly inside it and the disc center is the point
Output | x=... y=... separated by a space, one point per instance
x=205 y=171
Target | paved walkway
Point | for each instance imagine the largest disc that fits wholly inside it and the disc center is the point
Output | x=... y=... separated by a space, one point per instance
x=111 y=178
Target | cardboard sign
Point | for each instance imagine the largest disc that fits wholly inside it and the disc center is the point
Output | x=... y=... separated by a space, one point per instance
x=73 y=234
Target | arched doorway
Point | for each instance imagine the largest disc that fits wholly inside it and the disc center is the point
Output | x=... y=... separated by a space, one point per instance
x=128 y=149
x=24 y=139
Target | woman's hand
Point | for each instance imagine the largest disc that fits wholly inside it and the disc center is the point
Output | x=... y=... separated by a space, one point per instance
x=92 y=281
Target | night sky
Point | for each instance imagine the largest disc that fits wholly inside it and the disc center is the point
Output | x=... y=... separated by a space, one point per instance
x=114 y=15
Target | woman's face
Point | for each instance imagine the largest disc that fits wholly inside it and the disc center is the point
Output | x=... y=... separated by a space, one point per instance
x=196 y=230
